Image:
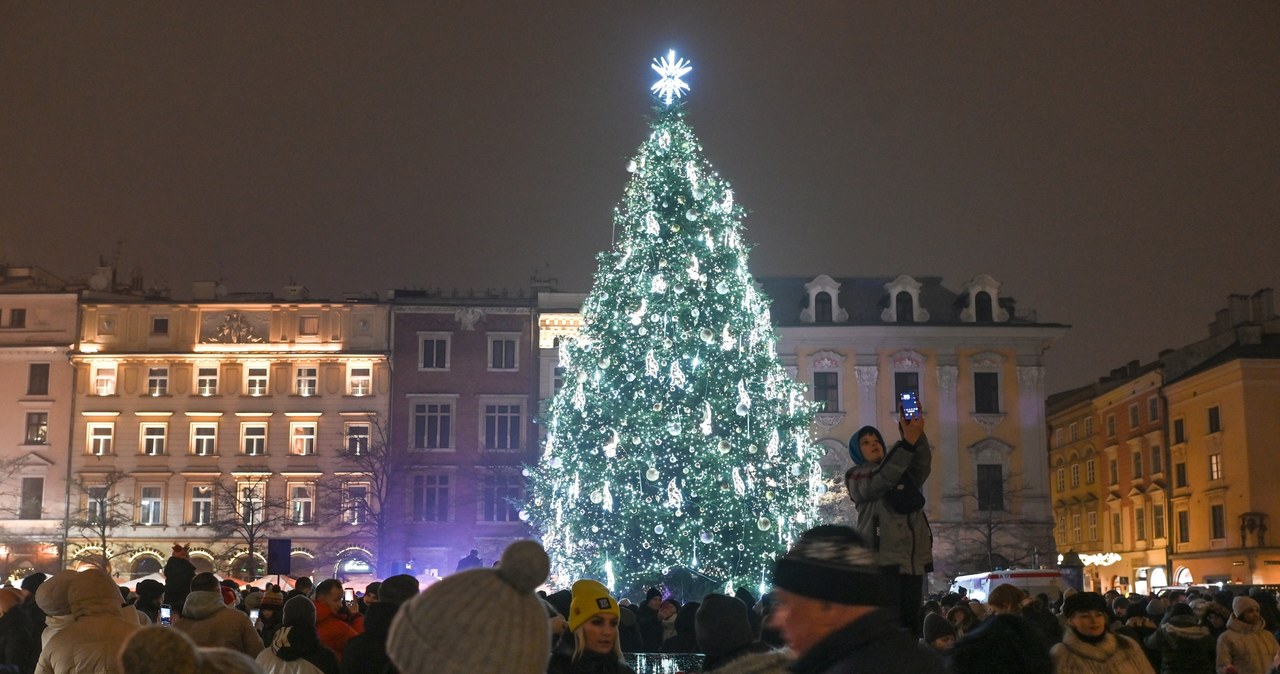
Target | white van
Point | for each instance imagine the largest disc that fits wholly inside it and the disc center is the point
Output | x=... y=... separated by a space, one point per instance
x=1032 y=581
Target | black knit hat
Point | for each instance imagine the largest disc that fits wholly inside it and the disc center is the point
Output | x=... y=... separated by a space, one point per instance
x=936 y=627
x=1083 y=601
x=721 y=625
x=833 y=563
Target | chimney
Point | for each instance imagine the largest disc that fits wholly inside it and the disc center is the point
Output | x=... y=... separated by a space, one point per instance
x=296 y=292
x=1221 y=323
x=1238 y=306
x=1262 y=306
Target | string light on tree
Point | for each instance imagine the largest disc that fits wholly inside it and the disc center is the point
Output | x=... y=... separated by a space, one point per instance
x=675 y=387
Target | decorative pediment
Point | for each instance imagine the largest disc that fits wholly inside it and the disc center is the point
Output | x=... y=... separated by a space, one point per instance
x=1136 y=491
x=983 y=290
x=819 y=285
x=907 y=360
x=235 y=327
x=904 y=284
x=987 y=360
x=828 y=420
x=826 y=361
x=988 y=421
x=991 y=450
x=467 y=317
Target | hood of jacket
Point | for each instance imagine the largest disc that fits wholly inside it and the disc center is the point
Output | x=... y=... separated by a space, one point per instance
x=92 y=593
x=1237 y=625
x=294 y=642
x=1185 y=627
x=200 y=605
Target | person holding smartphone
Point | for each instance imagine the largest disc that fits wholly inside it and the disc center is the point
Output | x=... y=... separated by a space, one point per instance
x=886 y=488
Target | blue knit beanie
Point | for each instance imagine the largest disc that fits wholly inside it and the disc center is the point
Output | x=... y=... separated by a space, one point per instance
x=855 y=452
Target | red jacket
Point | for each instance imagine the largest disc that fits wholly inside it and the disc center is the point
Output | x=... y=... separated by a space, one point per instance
x=335 y=629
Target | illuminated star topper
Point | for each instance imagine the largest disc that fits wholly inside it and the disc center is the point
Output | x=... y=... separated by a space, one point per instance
x=670 y=69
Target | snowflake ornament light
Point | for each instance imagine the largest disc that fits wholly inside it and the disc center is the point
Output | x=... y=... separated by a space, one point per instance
x=670 y=69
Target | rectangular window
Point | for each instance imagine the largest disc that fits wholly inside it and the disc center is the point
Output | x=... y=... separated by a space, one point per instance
x=358 y=439
x=151 y=507
x=1133 y=416
x=502 y=426
x=17 y=318
x=1075 y=475
x=1215 y=420
x=907 y=381
x=1140 y=524
x=158 y=381
x=100 y=438
x=433 y=352
x=557 y=379
x=1090 y=471
x=432 y=425
x=32 y=505
x=1180 y=474
x=1111 y=425
x=256 y=380
x=1137 y=465
x=1117 y=534
x=159 y=326
x=1218 y=521
x=204 y=439
x=1060 y=529
x=1073 y=434
x=253 y=439
x=104 y=380
x=1157 y=459
x=1093 y=526
x=305 y=378
x=1057 y=437
x=1184 y=526
x=301 y=503
x=1088 y=426
x=201 y=504
x=253 y=503
x=990 y=486
x=1114 y=465
x=826 y=390
x=502 y=353
x=153 y=438
x=360 y=381
x=1153 y=408
x=355 y=503
x=501 y=493
x=1062 y=479
x=303 y=439
x=1179 y=431
x=1215 y=466
x=986 y=392
x=207 y=381
x=37 y=428
x=308 y=326
x=430 y=498
x=96 y=503
x=1075 y=527
x=38 y=379
x=1157 y=519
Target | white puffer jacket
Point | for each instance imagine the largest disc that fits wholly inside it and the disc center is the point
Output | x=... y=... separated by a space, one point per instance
x=89 y=645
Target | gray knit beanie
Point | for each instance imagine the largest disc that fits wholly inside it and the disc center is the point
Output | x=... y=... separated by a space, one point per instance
x=158 y=650
x=482 y=620
x=299 y=611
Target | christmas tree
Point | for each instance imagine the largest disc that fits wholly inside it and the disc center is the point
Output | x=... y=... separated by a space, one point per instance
x=677 y=439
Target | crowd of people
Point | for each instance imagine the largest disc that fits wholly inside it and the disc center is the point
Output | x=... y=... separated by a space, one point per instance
x=844 y=601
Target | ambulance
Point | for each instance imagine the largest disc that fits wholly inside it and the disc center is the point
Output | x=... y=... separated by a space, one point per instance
x=1032 y=581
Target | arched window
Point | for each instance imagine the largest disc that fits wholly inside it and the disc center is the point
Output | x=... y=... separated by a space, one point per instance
x=905 y=308
x=822 y=308
x=143 y=566
x=982 y=307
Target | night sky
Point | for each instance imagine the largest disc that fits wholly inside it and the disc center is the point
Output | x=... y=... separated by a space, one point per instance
x=1115 y=165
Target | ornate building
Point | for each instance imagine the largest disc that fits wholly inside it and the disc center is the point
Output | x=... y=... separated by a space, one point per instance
x=224 y=421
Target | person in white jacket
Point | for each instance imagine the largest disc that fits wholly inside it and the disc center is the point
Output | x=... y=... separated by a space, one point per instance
x=1246 y=647
x=89 y=645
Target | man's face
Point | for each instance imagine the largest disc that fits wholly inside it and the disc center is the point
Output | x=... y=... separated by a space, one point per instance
x=1088 y=623
x=1251 y=616
x=803 y=621
x=332 y=598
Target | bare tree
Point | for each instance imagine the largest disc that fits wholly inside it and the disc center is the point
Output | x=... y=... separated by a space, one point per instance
x=994 y=534
x=101 y=512
x=244 y=511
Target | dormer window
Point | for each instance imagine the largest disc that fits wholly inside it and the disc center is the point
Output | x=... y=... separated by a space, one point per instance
x=904 y=302
x=824 y=305
x=983 y=305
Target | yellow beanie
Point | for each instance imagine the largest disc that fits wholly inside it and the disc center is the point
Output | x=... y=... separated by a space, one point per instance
x=590 y=598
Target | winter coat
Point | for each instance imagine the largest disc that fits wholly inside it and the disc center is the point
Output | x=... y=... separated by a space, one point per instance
x=1250 y=648
x=562 y=661
x=685 y=639
x=767 y=662
x=211 y=623
x=366 y=653
x=178 y=572
x=296 y=649
x=18 y=647
x=89 y=645
x=731 y=662
x=1115 y=654
x=1185 y=646
x=872 y=644
x=901 y=540
x=336 y=630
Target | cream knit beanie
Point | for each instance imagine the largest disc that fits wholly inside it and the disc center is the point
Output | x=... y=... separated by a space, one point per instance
x=482 y=620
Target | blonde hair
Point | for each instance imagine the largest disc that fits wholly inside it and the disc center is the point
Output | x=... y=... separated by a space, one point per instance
x=580 y=638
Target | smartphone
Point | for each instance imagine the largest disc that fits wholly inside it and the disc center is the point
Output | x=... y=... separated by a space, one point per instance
x=909 y=401
x=348 y=595
x=166 y=615
x=253 y=616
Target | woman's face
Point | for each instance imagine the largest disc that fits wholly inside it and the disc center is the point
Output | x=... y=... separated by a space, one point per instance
x=871 y=448
x=599 y=633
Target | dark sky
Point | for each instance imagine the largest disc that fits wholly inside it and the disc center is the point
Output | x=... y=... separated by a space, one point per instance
x=1115 y=165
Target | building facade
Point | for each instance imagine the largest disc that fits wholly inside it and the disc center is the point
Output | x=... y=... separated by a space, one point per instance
x=223 y=422
x=1076 y=481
